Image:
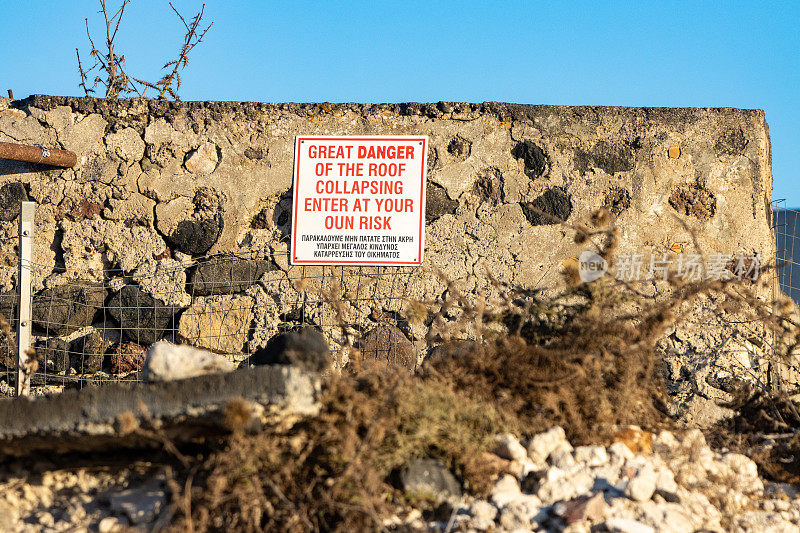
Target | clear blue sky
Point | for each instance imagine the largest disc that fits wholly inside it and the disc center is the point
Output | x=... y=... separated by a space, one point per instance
x=704 y=54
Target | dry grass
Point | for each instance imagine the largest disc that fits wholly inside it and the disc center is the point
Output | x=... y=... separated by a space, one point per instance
x=586 y=360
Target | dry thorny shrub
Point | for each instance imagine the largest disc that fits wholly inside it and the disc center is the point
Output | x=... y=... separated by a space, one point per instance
x=585 y=359
x=110 y=64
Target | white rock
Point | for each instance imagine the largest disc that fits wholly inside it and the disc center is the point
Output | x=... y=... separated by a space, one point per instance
x=107 y=524
x=482 y=514
x=642 y=485
x=508 y=447
x=204 y=160
x=619 y=450
x=745 y=471
x=625 y=525
x=591 y=455
x=505 y=491
x=562 y=457
x=665 y=480
x=541 y=445
x=167 y=362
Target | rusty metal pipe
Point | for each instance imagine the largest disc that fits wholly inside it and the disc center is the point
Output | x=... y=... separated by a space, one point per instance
x=37 y=154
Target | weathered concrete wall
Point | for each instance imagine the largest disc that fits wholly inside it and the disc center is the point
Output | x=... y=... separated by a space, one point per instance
x=207 y=177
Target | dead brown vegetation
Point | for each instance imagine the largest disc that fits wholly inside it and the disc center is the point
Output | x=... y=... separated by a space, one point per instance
x=519 y=363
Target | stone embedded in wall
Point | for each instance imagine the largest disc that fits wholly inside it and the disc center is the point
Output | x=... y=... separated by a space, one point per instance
x=203 y=160
x=87 y=352
x=219 y=323
x=88 y=243
x=617 y=200
x=552 y=207
x=305 y=348
x=386 y=347
x=164 y=279
x=141 y=317
x=437 y=202
x=533 y=158
x=53 y=354
x=11 y=194
x=126 y=144
x=126 y=357
x=731 y=142
x=489 y=186
x=191 y=225
x=227 y=275
x=613 y=157
x=67 y=308
x=694 y=201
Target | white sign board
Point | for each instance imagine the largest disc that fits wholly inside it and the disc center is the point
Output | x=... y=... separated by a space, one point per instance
x=359 y=200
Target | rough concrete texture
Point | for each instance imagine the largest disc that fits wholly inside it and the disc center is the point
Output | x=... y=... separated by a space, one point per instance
x=214 y=177
x=90 y=418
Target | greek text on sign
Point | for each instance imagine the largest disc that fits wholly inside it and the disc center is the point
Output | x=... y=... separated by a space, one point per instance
x=359 y=200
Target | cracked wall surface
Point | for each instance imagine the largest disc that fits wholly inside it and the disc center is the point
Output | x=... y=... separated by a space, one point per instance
x=168 y=181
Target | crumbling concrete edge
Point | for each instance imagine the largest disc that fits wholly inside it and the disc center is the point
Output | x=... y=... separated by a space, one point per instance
x=68 y=420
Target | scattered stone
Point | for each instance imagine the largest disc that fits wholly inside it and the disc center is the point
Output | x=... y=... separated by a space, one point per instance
x=220 y=324
x=505 y=491
x=591 y=455
x=140 y=504
x=142 y=318
x=83 y=210
x=642 y=483
x=637 y=441
x=126 y=357
x=582 y=508
x=533 y=157
x=227 y=275
x=305 y=348
x=61 y=310
x=508 y=447
x=167 y=362
x=542 y=445
x=428 y=477
x=482 y=515
x=11 y=194
x=108 y=524
x=626 y=525
x=387 y=347
x=552 y=207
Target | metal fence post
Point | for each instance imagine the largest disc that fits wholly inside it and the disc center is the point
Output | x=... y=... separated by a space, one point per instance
x=26 y=227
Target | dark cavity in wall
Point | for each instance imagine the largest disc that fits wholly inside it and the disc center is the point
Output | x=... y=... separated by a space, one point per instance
x=553 y=207
x=11 y=194
x=533 y=157
x=607 y=156
x=694 y=201
x=732 y=142
x=437 y=202
x=617 y=200
x=459 y=148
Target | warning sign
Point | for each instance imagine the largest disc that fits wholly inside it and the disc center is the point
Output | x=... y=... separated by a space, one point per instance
x=359 y=200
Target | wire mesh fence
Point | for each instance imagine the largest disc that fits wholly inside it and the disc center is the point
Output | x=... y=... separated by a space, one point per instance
x=95 y=326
